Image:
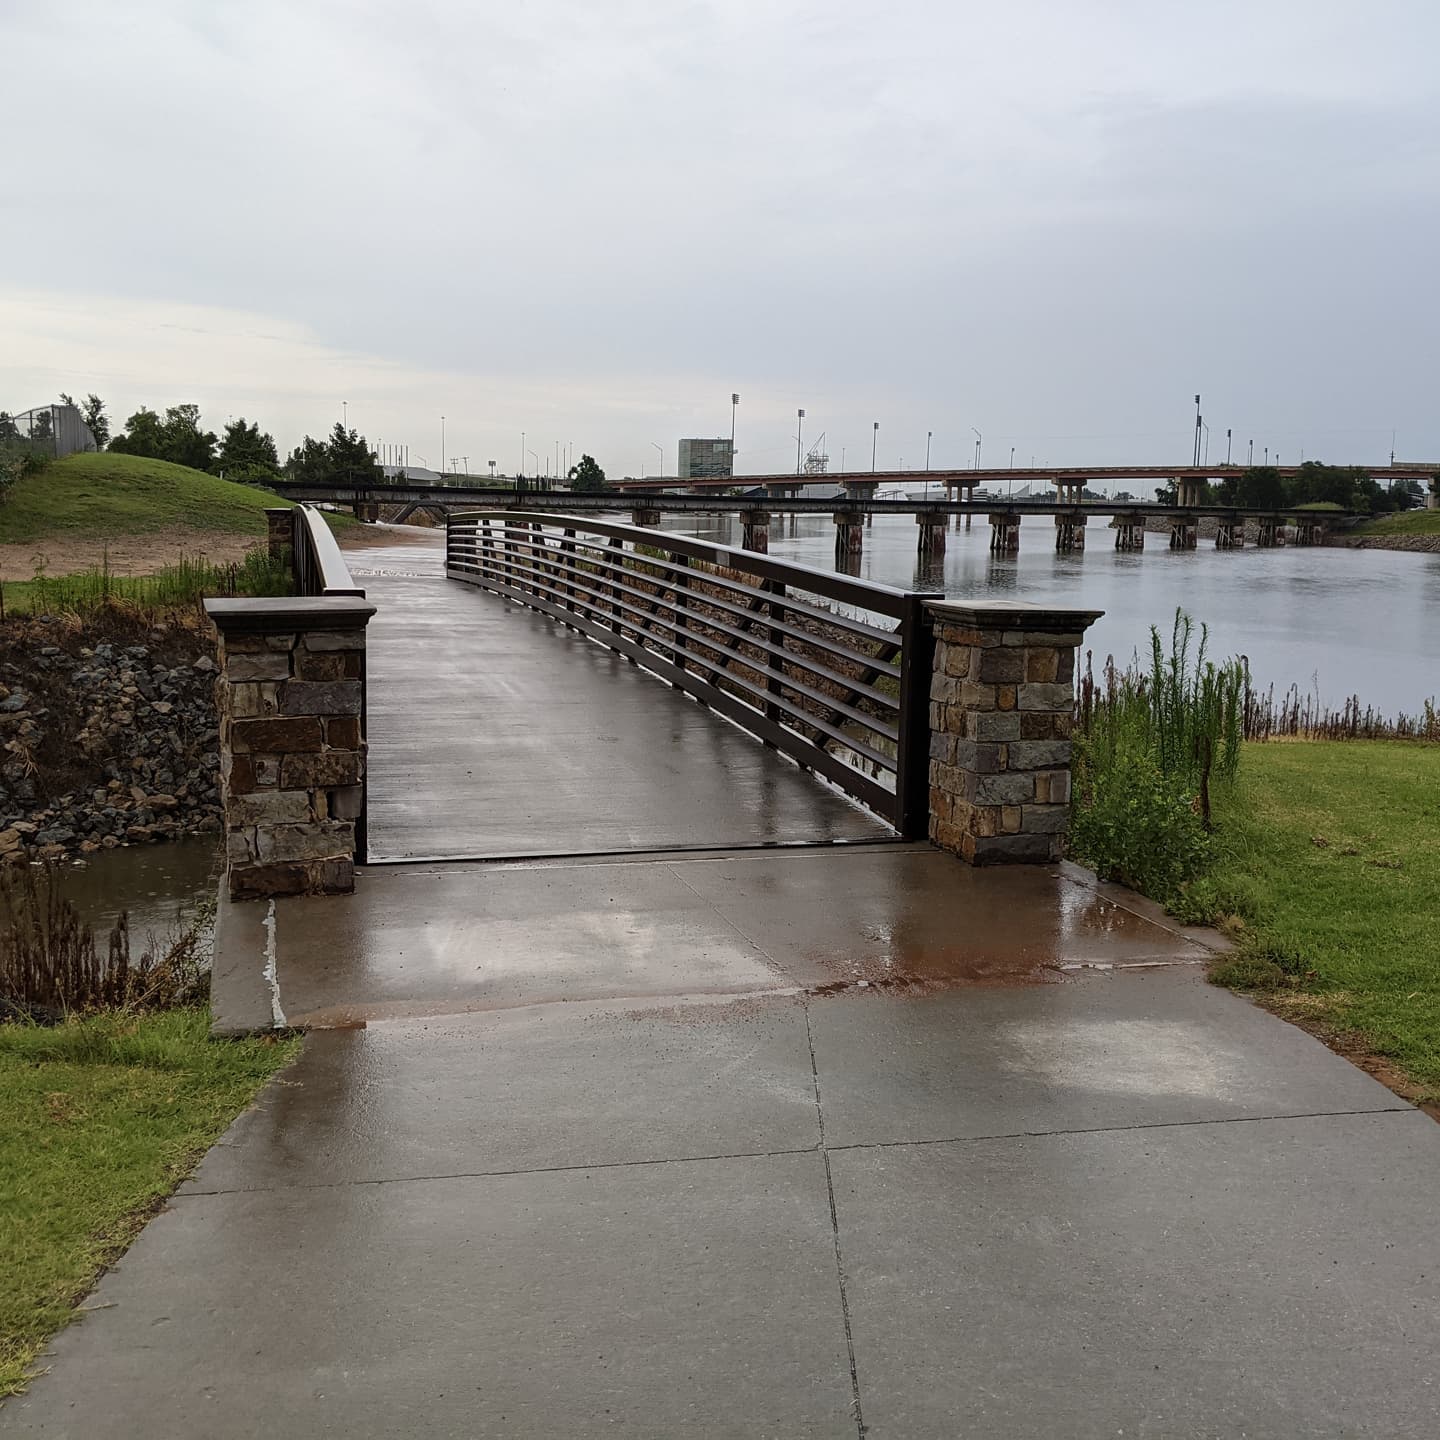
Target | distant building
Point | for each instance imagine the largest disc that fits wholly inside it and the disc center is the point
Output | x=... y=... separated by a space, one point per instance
x=706 y=459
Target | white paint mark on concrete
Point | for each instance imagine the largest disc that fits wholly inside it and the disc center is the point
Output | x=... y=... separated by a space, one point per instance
x=272 y=970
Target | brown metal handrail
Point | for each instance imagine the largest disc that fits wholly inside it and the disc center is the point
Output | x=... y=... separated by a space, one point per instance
x=319 y=565
x=760 y=641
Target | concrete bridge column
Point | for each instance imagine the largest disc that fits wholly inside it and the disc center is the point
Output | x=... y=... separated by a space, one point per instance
x=1230 y=533
x=1069 y=531
x=645 y=516
x=1184 y=532
x=1004 y=533
x=861 y=489
x=1002 y=703
x=291 y=696
x=1070 y=492
x=1189 y=492
x=1272 y=532
x=931 y=537
x=1310 y=531
x=1130 y=533
x=1432 y=496
x=783 y=492
x=756 y=530
x=849 y=532
x=281 y=525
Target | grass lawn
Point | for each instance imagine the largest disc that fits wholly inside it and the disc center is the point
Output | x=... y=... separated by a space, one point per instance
x=104 y=494
x=1331 y=852
x=1404 y=522
x=101 y=1119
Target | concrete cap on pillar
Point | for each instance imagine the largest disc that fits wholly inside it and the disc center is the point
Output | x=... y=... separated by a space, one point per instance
x=280 y=614
x=1011 y=615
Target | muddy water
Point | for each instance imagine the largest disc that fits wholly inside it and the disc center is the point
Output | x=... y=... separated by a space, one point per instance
x=161 y=886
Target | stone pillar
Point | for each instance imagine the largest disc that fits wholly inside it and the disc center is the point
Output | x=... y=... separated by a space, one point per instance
x=645 y=516
x=1070 y=531
x=849 y=531
x=1230 y=533
x=1005 y=533
x=1130 y=533
x=291 y=696
x=282 y=531
x=1002 y=703
x=755 y=530
x=931 y=537
x=1184 y=532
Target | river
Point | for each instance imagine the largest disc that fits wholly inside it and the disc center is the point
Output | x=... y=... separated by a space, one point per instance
x=1340 y=622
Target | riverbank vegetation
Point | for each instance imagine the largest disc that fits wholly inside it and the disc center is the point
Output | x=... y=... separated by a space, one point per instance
x=1409 y=522
x=113 y=1090
x=1320 y=857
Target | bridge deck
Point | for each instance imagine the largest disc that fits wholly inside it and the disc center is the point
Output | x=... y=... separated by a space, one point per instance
x=495 y=731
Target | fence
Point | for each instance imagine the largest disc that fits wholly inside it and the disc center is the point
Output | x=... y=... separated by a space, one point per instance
x=833 y=672
x=54 y=430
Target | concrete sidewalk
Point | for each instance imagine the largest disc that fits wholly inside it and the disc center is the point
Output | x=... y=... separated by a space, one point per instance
x=810 y=1143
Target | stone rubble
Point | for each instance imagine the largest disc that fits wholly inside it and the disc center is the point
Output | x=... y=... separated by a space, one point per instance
x=141 y=734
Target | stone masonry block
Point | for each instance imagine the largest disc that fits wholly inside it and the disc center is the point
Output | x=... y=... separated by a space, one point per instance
x=1039 y=754
x=321 y=697
x=946 y=690
x=269 y=807
x=323 y=770
x=265 y=666
x=1010 y=819
x=280 y=642
x=999 y=664
x=280 y=735
x=346 y=802
x=1005 y=697
x=1052 y=787
x=980 y=757
x=998 y=725
x=1046 y=819
x=1041 y=665
x=942 y=746
x=954 y=660
x=1010 y=788
x=1015 y=849
x=975 y=696
x=334 y=640
x=240 y=845
x=319 y=840
x=1045 y=725
x=1046 y=697
x=342 y=732
x=253 y=698
x=328 y=665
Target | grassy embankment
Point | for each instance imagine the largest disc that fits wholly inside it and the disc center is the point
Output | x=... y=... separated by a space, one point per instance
x=102 y=1118
x=84 y=519
x=1404 y=522
x=1329 y=851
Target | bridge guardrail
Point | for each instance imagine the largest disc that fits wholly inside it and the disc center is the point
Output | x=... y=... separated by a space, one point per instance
x=832 y=671
x=319 y=564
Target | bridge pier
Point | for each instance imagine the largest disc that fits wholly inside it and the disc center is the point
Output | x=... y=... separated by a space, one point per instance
x=1004 y=532
x=1069 y=532
x=367 y=511
x=1069 y=491
x=1130 y=533
x=1272 y=533
x=1230 y=534
x=755 y=530
x=783 y=492
x=1184 y=532
x=647 y=517
x=1001 y=709
x=931 y=537
x=861 y=489
x=849 y=532
x=1189 y=492
x=1309 y=531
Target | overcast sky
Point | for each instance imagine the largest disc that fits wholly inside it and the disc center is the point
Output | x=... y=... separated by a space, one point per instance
x=1049 y=220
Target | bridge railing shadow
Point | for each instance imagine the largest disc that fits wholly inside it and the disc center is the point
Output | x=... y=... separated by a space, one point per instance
x=832 y=671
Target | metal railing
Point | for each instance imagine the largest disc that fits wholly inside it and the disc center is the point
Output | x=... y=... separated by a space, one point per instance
x=320 y=567
x=831 y=671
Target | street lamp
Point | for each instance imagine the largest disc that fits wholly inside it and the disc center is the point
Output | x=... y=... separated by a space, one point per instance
x=523 y=453
x=1197 y=430
x=536 y=459
x=492 y=472
x=799 y=426
x=1012 y=457
x=734 y=404
x=928 y=434
x=1227 y=445
x=661 y=449
x=444 y=464
x=874 y=441
x=979 y=439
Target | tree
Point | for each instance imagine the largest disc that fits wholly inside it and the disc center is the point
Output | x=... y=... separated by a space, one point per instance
x=351 y=459
x=92 y=412
x=9 y=430
x=42 y=426
x=309 y=462
x=246 y=454
x=587 y=475
x=1165 y=493
x=142 y=435
x=1407 y=495
x=177 y=438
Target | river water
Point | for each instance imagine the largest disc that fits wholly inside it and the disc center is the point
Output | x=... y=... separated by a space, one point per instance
x=1333 y=621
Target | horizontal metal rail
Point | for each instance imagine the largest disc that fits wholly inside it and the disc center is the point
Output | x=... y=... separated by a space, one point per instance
x=832 y=671
x=319 y=565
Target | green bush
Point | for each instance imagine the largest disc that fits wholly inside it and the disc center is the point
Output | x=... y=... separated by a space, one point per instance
x=1137 y=825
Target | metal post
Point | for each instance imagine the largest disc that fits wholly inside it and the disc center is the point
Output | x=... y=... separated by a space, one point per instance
x=775 y=672
x=874 y=442
x=681 y=583
x=912 y=753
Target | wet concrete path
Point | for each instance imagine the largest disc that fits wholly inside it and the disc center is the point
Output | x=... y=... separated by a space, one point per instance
x=495 y=731
x=843 y=1142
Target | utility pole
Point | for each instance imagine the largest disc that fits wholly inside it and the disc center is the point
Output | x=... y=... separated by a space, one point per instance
x=444 y=464
x=928 y=434
x=734 y=405
x=979 y=440
x=1227 y=444
x=1250 y=456
x=799 y=426
x=874 y=442
x=1197 y=431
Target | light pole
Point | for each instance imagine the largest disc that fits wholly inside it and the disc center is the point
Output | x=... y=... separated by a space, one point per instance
x=1197 y=430
x=1250 y=455
x=799 y=426
x=928 y=434
x=345 y=415
x=979 y=440
x=1206 y=459
x=1012 y=457
x=734 y=405
x=874 y=442
x=1227 y=445
x=523 y=452
x=661 y=472
x=536 y=459
x=444 y=463
x=492 y=472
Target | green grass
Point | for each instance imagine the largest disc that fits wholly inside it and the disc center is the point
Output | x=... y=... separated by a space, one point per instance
x=102 y=1117
x=94 y=496
x=1404 y=522
x=1330 y=850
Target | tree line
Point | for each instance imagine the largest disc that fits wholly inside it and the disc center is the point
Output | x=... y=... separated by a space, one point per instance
x=1263 y=487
